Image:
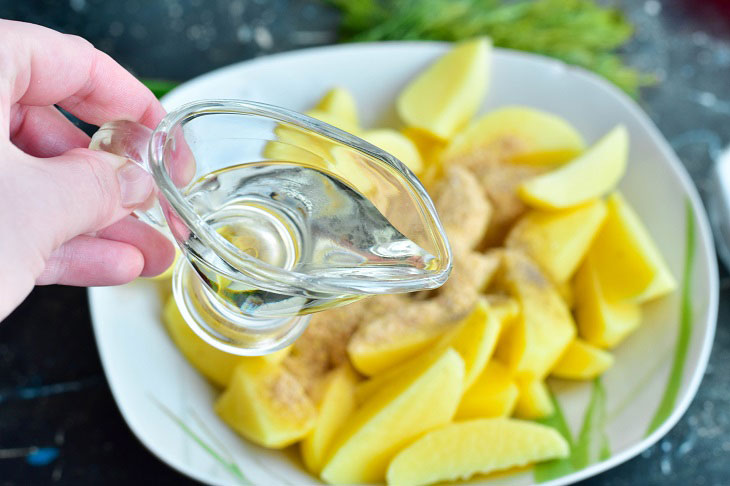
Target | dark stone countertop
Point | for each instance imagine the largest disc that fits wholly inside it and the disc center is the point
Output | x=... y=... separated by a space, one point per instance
x=53 y=393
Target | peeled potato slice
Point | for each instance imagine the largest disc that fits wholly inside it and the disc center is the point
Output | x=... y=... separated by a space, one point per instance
x=558 y=240
x=339 y=103
x=628 y=263
x=534 y=400
x=417 y=401
x=446 y=95
x=601 y=322
x=582 y=361
x=463 y=449
x=517 y=134
x=335 y=407
x=267 y=405
x=534 y=342
x=493 y=394
x=591 y=175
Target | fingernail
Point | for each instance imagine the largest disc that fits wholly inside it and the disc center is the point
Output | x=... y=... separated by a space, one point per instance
x=135 y=184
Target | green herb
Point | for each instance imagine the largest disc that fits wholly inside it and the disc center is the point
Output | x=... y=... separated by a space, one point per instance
x=159 y=87
x=579 y=32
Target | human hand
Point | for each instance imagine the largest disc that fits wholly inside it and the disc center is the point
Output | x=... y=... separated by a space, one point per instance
x=64 y=209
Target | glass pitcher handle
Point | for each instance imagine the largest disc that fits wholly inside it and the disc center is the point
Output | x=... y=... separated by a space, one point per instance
x=131 y=140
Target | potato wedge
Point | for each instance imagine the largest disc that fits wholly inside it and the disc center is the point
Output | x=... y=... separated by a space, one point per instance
x=601 y=322
x=367 y=388
x=267 y=405
x=532 y=344
x=386 y=341
x=463 y=449
x=336 y=405
x=417 y=401
x=558 y=240
x=493 y=394
x=628 y=263
x=341 y=105
x=517 y=134
x=591 y=175
x=534 y=400
x=445 y=96
x=582 y=361
x=474 y=339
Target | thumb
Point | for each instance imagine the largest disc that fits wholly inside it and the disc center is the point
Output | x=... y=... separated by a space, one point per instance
x=83 y=191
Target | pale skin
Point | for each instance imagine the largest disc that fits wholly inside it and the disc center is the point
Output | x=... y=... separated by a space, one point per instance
x=64 y=209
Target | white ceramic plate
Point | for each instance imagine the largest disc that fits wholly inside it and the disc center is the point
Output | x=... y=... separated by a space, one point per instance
x=166 y=403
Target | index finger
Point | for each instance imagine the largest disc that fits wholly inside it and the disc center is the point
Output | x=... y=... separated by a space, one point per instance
x=43 y=67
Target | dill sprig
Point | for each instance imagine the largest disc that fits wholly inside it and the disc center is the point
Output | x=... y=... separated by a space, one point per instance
x=578 y=32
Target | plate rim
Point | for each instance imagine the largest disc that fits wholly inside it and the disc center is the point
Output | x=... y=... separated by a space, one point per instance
x=705 y=240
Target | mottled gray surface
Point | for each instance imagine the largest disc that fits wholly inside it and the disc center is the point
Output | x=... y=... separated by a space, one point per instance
x=52 y=390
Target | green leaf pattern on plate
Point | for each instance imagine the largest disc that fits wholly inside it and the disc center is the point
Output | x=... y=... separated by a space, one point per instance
x=666 y=405
x=592 y=443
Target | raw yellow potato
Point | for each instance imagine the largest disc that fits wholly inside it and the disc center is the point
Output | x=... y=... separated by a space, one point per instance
x=558 y=240
x=475 y=339
x=336 y=405
x=366 y=389
x=601 y=322
x=534 y=342
x=391 y=339
x=213 y=363
x=522 y=135
x=494 y=394
x=534 y=400
x=582 y=361
x=591 y=175
x=370 y=360
x=628 y=263
x=463 y=449
x=267 y=405
x=339 y=103
x=446 y=95
x=429 y=147
x=397 y=145
x=419 y=400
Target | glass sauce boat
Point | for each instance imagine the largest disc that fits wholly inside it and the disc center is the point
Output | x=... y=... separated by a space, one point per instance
x=277 y=216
